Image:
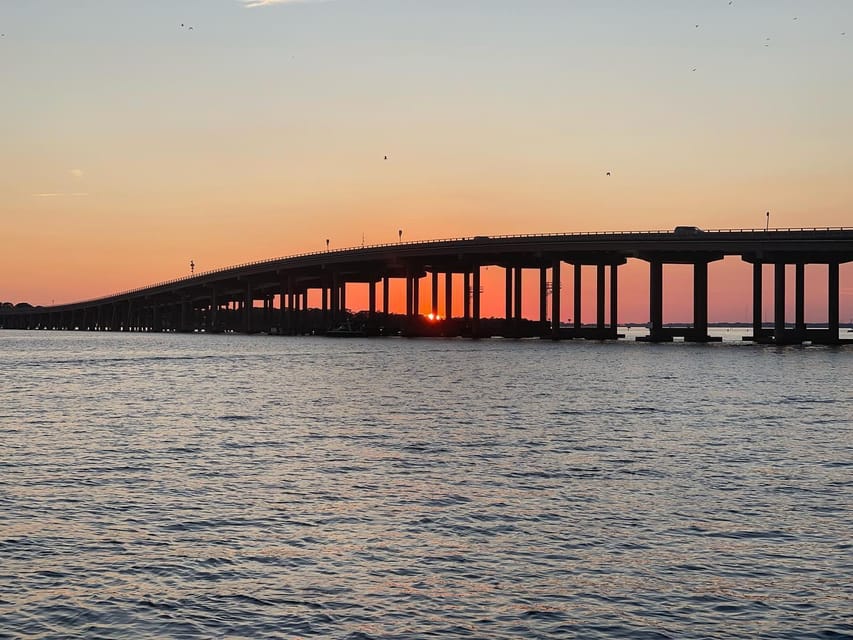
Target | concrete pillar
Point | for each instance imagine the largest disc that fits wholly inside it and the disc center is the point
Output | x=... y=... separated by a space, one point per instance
x=371 y=299
x=800 y=297
x=700 y=298
x=247 y=309
x=599 y=295
x=325 y=306
x=342 y=309
x=779 y=298
x=292 y=324
x=517 y=294
x=832 y=304
x=578 y=270
x=410 y=294
x=543 y=297
x=466 y=294
x=303 y=313
x=434 y=294
x=416 y=295
x=757 y=300
x=614 y=298
x=212 y=320
x=508 y=293
x=448 y=295
x=282 y=307
x=386 y=295
x=335 y=301
x=655 y=297
x=475 y=299
x=555 y=299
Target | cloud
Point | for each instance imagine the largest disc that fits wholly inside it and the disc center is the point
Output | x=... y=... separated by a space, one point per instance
x=77 y=173
x=75 y=194
x=249 y=4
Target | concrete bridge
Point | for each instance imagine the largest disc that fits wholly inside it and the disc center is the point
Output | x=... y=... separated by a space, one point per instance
x=225 y=299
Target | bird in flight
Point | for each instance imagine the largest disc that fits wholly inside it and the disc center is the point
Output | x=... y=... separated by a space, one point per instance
x=608 y=173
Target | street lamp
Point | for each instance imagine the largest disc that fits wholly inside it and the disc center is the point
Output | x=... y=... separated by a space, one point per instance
x=400 y=235
x=192 y=267
x=327 y=244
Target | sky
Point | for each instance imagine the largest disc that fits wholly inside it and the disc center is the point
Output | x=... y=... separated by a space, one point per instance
x=137 y=136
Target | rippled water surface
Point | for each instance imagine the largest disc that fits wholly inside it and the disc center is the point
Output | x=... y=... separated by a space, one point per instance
x=199 y=486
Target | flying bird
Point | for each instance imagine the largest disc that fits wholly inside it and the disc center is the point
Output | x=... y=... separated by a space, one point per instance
x=608 y=173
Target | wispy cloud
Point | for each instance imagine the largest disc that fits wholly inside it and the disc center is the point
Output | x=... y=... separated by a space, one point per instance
x=249 y=4
x=75 y=194
x=77 y=173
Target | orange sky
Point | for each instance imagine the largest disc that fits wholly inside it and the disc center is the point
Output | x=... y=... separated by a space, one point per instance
x=131 y=146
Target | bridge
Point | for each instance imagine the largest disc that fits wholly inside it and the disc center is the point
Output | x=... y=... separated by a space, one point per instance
x=227 y=299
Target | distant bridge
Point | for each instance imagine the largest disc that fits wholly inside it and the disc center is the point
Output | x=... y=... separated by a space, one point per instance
x=225 y=299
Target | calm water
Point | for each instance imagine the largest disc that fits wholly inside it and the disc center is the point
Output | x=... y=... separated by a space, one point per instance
x=201 y=486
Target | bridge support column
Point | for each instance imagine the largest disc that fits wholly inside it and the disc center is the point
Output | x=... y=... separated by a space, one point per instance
x=386 y=297
x=517 y=299
x=448 y=295
x=555 y=299
x=184 y=322
x=543 y=300
x=800 y=299
x=833 y=290
x=371 y=299
x=410 y=289
x=779 y=302
x=656 y=301
x=282 y=306
x=416 y=295
x=292 y=323
x=213 y=314
x=600 y=274
x=700 y=301
x=342 y=308
x=508 y=296
x=434 y=294
x=614 y=300
x=248 y=305
x=757 y=302
x=324 y=319
x=475 y=300
x=577 y=289
x=466 y=294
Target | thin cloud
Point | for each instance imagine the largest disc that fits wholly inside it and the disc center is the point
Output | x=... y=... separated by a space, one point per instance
x=75 y=194
x=77 y=173
x=250 y=4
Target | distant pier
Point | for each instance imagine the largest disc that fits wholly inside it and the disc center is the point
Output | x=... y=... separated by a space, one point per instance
x=226 y=299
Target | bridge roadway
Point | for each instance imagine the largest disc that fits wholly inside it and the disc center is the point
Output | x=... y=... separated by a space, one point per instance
x=226 y=299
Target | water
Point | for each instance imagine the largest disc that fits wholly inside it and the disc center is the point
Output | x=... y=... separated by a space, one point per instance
x=200 y=486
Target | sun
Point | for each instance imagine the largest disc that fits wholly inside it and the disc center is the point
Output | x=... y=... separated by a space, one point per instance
x=433 y=317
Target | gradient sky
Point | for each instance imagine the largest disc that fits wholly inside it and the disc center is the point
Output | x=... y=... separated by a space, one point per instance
x=131 y=145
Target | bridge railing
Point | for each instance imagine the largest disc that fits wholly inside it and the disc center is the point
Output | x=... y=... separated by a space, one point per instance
x=414 y=243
